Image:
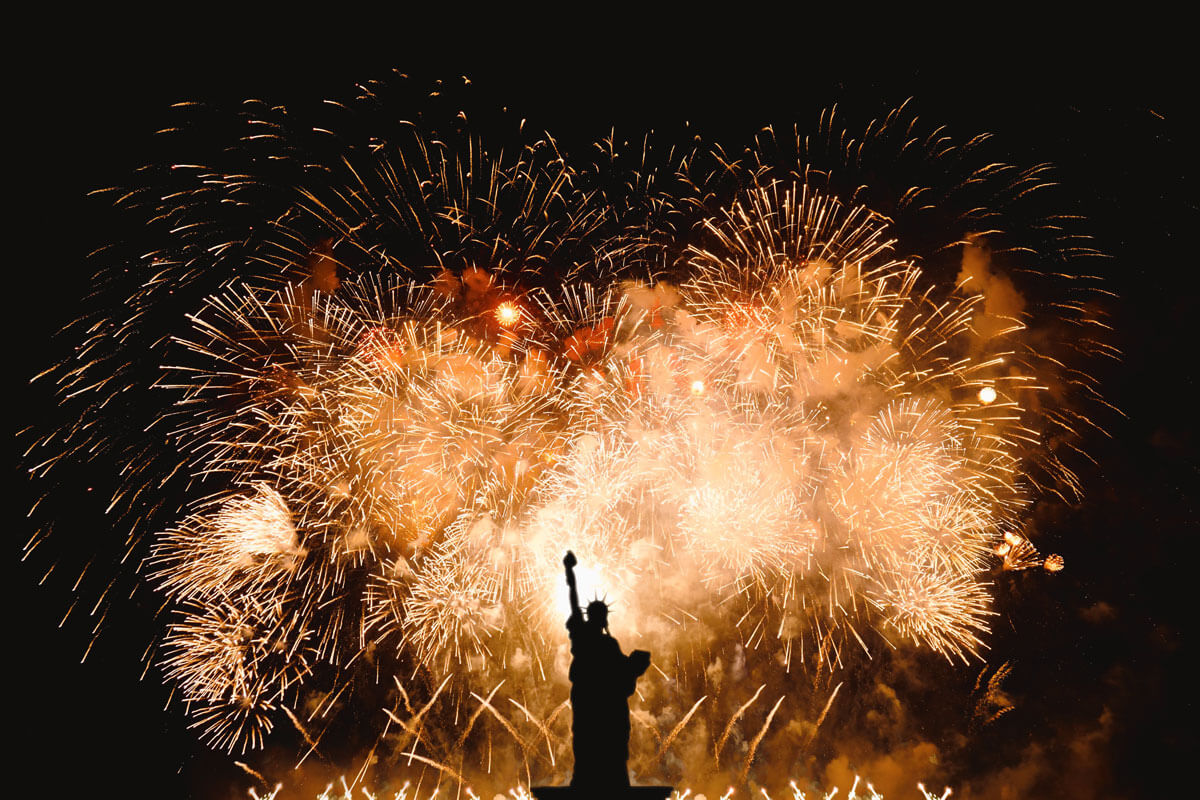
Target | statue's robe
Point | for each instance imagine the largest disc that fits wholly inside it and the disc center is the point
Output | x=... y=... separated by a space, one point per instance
x=602 y=679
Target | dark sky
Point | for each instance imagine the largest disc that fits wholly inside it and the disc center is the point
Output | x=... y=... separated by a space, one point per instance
x=1111 y=109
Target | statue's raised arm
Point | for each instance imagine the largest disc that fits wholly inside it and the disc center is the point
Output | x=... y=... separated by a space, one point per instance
x=569 y=561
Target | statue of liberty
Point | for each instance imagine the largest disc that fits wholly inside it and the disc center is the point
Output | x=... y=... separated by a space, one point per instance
x=602 y=679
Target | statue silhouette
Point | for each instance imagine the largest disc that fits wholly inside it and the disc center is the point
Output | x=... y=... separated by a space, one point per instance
x=602 y=679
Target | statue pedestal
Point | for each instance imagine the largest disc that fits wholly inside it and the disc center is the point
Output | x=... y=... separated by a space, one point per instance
x=587 y=793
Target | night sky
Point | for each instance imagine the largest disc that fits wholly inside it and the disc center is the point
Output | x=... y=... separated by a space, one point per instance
x=1101 y=678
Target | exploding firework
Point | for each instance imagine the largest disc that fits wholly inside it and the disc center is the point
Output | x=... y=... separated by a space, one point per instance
x=410 y=372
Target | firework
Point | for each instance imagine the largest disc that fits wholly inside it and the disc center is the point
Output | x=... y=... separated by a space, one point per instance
x=235 y=663
x=832 y=457
x=425 y=369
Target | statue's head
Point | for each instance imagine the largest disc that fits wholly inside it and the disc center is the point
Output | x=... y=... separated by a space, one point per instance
x=597 y=613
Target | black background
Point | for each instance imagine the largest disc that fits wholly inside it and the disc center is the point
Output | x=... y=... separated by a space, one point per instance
x=1110 y=108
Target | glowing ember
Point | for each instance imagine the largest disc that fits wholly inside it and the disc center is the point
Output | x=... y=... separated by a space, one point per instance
x=508 y=314
x=987 y=395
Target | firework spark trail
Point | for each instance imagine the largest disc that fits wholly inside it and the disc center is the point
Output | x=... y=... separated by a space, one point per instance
x=413 y=727
x=418 y=369
x=757 y=740
x=733 y=721
x=679 y=726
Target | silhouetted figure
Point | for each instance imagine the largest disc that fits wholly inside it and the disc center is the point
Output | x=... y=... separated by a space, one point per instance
x=602 y=679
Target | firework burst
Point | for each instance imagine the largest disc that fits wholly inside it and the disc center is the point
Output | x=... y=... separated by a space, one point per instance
x=416 y=370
